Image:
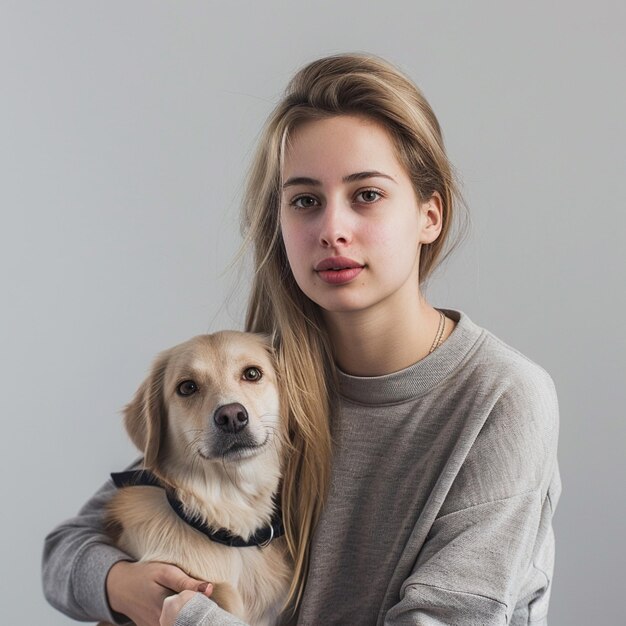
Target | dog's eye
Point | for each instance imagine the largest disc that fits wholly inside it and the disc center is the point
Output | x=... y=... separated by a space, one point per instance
x=252 y=374
x=186 y=388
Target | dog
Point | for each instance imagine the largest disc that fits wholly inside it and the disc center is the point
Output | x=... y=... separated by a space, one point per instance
x=210 y=422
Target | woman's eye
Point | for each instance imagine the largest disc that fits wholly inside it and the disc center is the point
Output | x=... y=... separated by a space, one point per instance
x=369 y=195
x=252 y=374
x=304 y=202
x=186 y=388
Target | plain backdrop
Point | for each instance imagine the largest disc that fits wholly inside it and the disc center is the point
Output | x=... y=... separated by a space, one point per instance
x=125 y=132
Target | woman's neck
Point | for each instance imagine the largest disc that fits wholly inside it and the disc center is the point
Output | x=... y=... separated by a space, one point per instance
x=374 y=343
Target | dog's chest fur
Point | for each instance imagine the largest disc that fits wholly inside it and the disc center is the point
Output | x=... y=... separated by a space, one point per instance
x=249 y=582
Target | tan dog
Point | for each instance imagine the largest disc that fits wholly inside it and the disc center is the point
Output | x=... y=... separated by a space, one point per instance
x=210 y=423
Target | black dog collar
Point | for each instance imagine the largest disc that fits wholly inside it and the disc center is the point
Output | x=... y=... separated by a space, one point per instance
x=261 y=538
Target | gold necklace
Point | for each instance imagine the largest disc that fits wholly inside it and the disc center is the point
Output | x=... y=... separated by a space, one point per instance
x=440 y=330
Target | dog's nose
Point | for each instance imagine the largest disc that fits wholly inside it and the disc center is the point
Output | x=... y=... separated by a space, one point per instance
x=231 y=418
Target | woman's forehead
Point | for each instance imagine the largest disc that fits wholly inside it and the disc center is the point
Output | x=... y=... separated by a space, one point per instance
x=339 y=146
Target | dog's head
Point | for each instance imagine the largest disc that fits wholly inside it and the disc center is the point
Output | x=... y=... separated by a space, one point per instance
x=214 y=398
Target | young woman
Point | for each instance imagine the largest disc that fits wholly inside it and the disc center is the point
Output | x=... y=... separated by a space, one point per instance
x=423 y=477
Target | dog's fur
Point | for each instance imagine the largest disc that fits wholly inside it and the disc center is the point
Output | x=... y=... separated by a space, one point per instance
x=226 y=478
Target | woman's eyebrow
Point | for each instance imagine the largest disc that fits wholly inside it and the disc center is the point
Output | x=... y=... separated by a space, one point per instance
x=304 y=180
x=370 y=174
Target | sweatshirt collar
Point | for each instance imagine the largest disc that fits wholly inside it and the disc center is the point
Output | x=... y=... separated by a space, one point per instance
x=419 y=378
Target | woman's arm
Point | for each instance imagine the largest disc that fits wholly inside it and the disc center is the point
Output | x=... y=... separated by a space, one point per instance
x=490 y=551
x=479 y=563
x=77 y=558
x=194 y=609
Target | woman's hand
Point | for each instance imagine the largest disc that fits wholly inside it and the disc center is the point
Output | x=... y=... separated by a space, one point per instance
x=173 y=605
x=138 y=590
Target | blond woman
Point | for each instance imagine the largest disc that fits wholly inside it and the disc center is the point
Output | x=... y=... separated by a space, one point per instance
x=423 y=474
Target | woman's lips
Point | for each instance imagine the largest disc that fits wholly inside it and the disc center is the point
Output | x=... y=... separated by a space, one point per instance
x=337 y=277
x=337 y=270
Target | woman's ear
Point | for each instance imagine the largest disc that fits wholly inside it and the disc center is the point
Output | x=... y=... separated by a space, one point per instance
x=145 y=415
x=432 y=216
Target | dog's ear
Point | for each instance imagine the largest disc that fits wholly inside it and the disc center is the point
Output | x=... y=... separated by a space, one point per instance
x=145 y=415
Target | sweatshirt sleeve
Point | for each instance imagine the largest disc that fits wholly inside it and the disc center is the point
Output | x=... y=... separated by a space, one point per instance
x=77 y=557
x=202 y=611
x=490 y=551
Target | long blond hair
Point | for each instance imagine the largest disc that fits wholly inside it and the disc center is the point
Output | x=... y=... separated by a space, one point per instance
x=335 y=85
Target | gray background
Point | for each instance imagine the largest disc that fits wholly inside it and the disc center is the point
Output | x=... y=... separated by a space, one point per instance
x=125 y=131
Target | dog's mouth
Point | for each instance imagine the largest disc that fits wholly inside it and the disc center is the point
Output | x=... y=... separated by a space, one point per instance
x=233 y=450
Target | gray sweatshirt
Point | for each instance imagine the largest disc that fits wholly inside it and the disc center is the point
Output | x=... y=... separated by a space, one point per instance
x=444 y=483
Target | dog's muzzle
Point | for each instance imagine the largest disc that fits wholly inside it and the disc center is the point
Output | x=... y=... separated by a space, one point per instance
x=231 y=435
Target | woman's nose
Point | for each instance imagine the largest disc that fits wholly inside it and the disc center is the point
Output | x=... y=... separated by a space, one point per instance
x=335 y=227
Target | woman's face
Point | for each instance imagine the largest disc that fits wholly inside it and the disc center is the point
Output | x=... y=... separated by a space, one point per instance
x=350 y=220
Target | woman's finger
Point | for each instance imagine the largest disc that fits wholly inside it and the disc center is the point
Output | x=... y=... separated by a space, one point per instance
x=175 y=579
x=206 y=589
